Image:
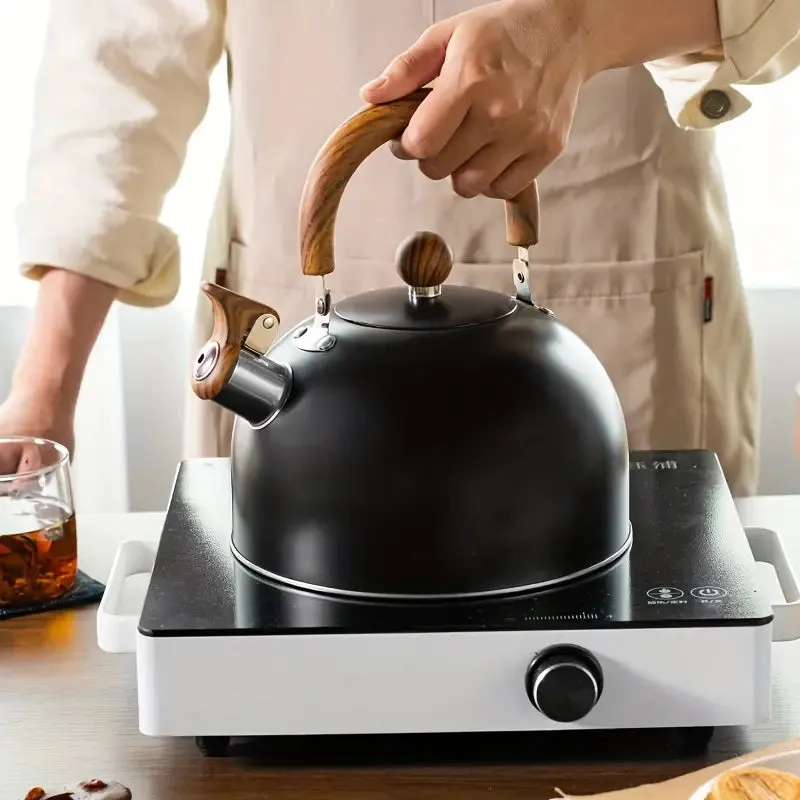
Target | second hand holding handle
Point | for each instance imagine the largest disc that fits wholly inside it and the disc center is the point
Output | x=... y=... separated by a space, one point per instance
x=340 y=157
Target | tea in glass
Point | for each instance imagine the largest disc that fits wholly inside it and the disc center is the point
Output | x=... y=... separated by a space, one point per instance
x=38 y=536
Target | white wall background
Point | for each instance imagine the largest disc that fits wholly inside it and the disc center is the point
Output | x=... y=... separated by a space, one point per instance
x=130 y=440
x=776 y=323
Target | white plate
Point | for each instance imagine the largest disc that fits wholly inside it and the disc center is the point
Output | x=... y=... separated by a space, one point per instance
x=786 y=762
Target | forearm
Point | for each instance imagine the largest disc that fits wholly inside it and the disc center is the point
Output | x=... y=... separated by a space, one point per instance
x=121 y=87
x=620 y=33
x=69 y=314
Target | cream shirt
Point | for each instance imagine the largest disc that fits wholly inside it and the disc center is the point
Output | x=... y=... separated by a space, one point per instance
x=124 y=83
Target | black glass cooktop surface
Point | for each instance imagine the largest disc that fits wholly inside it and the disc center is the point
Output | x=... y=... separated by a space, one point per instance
x=690 y=564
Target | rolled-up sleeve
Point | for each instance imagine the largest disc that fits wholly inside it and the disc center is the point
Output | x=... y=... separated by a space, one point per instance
x=121 y=87
x=760 y=43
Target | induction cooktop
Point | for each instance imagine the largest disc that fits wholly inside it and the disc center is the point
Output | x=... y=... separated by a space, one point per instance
x=690 y=564
x=676 y=633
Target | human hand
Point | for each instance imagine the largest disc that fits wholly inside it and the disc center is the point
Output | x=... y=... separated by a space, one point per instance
x=31 y=416
x=507 y=80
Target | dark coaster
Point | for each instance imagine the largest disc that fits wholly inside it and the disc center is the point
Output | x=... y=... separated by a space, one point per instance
x=85 y=591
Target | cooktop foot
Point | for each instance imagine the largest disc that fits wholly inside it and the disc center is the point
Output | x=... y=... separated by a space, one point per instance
x=696 y=740
x=213 y=746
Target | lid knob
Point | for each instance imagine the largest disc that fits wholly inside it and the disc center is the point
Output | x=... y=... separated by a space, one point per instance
x=424 y=262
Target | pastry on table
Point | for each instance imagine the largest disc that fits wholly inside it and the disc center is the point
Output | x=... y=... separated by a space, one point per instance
x=755 y=783
x=94 y=789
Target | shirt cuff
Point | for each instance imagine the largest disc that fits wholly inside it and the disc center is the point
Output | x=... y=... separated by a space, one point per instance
x=760 y=43
x=138 y=256
x=699 y=91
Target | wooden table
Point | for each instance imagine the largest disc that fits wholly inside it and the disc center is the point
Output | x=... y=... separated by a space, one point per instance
x=68 y=712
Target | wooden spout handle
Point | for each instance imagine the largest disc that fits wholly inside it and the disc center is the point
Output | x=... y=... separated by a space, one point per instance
x=340 y=157
x=234 y=317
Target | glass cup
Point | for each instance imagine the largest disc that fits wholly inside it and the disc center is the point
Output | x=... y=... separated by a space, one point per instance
x=38 y=537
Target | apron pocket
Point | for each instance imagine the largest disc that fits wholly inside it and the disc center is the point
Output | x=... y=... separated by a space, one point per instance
x=644 y=321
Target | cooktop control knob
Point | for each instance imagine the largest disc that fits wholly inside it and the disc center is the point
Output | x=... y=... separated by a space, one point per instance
x=564 y=683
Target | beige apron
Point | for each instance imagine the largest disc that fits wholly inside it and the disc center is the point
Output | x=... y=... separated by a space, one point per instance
x=635 y=232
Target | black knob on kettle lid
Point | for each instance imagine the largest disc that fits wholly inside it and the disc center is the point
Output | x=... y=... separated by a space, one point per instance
x=424 y=261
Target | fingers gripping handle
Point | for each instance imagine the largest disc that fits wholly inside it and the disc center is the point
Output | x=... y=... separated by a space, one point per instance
x=767 y=548
x=340 y=157
x=116 y=632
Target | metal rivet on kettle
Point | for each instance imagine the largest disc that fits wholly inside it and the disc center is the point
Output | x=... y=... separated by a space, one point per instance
x=299 y=332
x=326 y=342
x=715 y=104
x=268 y=322
x=206 y=361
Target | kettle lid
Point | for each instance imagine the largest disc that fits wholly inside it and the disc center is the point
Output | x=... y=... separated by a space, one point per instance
x=424 y=262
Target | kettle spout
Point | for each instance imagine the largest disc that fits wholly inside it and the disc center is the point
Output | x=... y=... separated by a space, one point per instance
x=233 y=374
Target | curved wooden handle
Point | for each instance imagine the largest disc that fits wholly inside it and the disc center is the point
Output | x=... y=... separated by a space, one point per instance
x=234 y=317
x=340 y=157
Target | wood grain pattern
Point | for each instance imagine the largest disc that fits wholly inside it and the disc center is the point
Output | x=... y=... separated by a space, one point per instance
x=424 y=260
x=69 y=711
x=522 y=218
x=234 y=317
x=340 y=157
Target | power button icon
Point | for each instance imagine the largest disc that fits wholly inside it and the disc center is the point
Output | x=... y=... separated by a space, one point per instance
x=708 y=593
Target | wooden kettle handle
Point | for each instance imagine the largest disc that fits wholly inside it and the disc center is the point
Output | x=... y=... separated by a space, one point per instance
x=338 y=161
x=234 y=317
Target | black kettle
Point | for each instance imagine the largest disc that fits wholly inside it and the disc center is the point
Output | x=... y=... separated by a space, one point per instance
x=427 y=441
